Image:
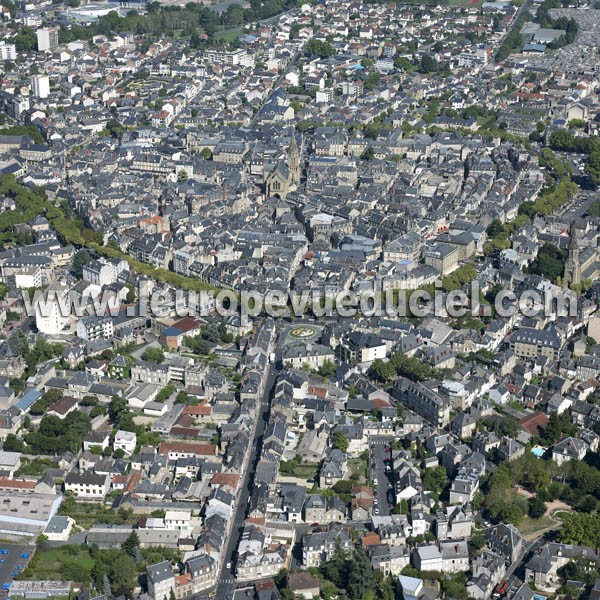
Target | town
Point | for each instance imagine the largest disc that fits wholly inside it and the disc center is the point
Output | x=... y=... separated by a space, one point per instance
x=160 y=161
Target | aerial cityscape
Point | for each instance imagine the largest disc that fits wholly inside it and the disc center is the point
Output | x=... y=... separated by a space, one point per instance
x=299 y=299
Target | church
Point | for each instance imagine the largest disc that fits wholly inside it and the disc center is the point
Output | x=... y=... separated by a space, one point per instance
x=580 y=264
x=281 y=178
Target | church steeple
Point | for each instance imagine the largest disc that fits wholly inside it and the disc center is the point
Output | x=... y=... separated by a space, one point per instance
x=293 y=160
x=572 y=264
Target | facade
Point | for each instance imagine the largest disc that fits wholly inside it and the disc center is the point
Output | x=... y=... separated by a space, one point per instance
x=47 y=39
x=526 y=342
x=51 y=316
x=40 y=86
x=126 y=441
x=161 y=580
x=422 y=400
x=88 y=486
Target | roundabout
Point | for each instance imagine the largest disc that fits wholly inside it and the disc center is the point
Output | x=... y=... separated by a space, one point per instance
x=303 y=332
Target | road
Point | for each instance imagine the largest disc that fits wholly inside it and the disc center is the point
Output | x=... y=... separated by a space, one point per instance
x=277 y=83
x=377 y=458
x=528 y=549
x=514 y=22
x=226 y=583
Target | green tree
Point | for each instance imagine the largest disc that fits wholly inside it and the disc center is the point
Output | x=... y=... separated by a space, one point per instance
x=434 y=480
x=80 y=260
x=13 y=444
x=559 y=426
x=327 y=369
x=592 y=167
x=340 y=441
x=536 y=507
x=152 y=354
x=368 y=154
x=429 y=64
x=360 y=575
x=581 y=529
x=382 y=370
x=130 y=545
x=319 y=48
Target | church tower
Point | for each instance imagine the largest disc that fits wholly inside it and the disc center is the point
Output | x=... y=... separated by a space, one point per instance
x=572 y=265
x=293 y=160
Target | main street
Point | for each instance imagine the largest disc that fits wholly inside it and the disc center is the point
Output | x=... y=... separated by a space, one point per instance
x=226 y=585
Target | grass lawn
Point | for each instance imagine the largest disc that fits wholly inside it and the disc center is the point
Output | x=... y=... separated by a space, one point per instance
x=229 y=36
x=87 y=515
x=358 y=466
x=486 y=123
x=531 y=527
x=465 y=2
x=299 y=470
x=49 y=564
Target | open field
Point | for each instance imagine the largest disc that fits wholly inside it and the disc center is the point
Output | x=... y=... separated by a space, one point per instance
x=55 y=563
x=533 y=528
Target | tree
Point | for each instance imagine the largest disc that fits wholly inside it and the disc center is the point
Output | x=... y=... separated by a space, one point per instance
x=327 y=369
x=319 y=48
x=550 y=262
x=25 y=40
x=13 y=444
x=130 y=544
x=434 y=480
x=558 y=426
x=340 y=441
x=536 y=507
x=592 y=167
x=80 y=260
x=360 y=575
x=429 y=64
x=381 y=370
x=182 y=175
x=182 y=398
x=368 y=154
x=206 y=153
x=114 y=128
x=581 y=529
x=123 y=575
x=152 y=354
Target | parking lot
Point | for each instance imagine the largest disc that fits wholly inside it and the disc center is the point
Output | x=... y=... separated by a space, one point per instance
x=13 y=561
x=381 y=473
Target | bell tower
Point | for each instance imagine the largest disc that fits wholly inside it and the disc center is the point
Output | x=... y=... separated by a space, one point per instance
x=293 y=160
x=572 y=265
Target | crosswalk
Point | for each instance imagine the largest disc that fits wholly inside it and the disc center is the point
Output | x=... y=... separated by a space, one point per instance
x=227 y=580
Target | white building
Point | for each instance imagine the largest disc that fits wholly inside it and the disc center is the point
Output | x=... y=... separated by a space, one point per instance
x=47 y=40
x=102 y=272
x=93 y=328
x=27 y=514
x=40 y=86
x=161 y=580
x=59 y=528
x=126 y=441
x=179 y=519
x=7 y=51
x=31 y=277
x=51 y=311
x=88 y=486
